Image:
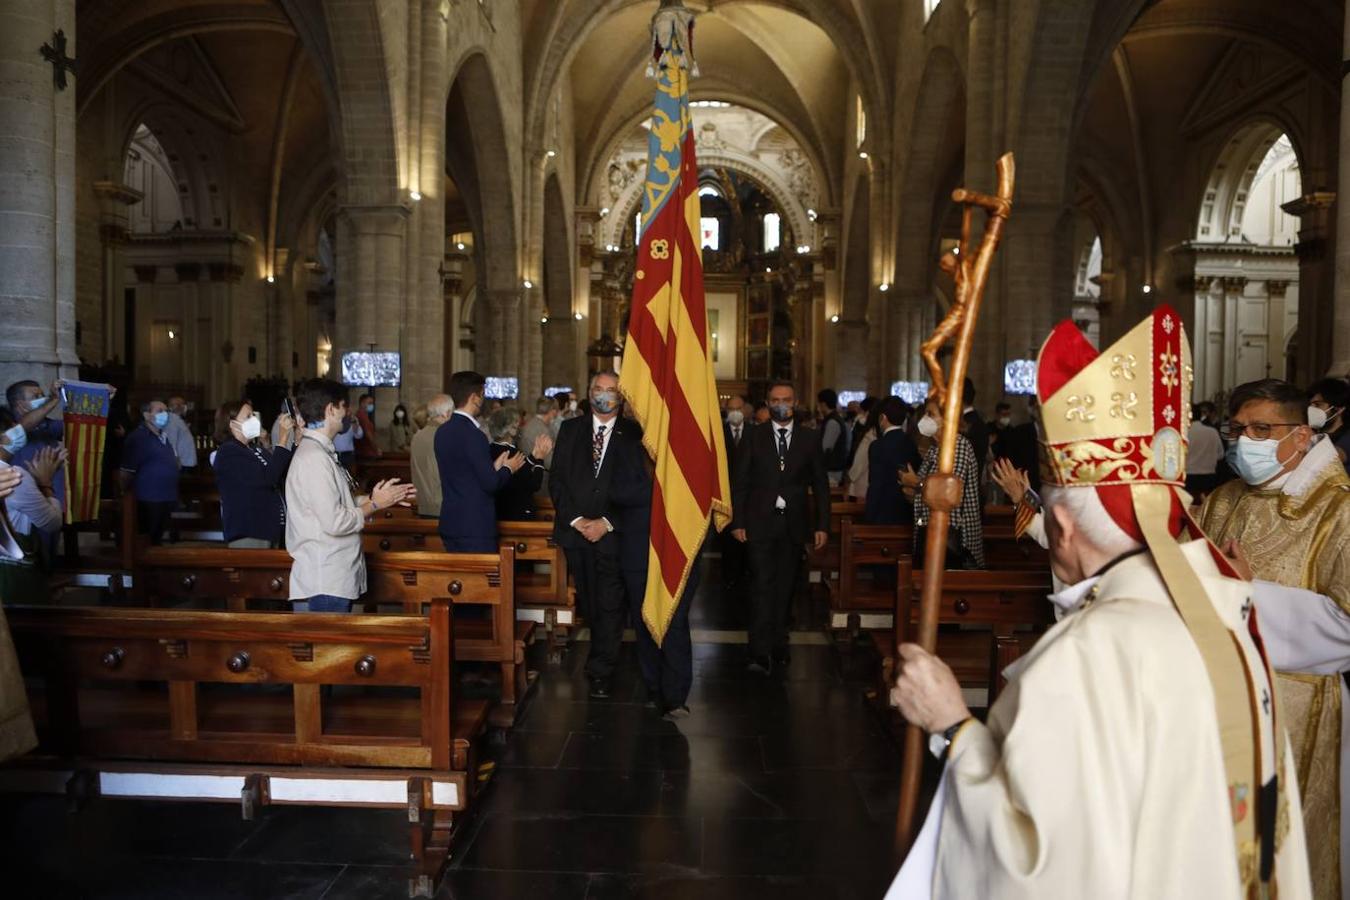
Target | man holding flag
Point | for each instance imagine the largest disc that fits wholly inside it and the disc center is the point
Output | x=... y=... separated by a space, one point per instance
x=667 y=367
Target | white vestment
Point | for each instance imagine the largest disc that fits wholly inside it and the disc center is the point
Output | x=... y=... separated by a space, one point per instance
x=1100 y=773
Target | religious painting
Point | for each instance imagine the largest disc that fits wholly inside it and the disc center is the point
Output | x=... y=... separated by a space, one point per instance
x=723 y=330
x=757 y=363
x=758 y=327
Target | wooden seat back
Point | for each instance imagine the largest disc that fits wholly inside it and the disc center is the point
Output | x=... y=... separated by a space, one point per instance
x=868 y=545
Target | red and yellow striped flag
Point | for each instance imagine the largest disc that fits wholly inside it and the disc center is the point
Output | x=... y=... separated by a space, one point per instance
x=86 y=431
x=667 y=372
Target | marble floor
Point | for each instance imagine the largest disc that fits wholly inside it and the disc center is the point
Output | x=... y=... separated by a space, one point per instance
x=778 y=787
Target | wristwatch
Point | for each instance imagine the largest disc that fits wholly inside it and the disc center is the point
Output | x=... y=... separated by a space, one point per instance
x=939 y=742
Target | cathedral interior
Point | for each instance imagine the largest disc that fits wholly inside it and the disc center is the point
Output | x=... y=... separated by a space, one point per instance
x=214 y=198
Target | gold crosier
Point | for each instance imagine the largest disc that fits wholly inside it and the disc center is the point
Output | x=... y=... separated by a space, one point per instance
x=942 y=489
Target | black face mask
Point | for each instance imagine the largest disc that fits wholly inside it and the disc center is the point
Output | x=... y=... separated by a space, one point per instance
x=346 y=424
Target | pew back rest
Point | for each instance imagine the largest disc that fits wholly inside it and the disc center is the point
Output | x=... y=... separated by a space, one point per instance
x=1001 y=600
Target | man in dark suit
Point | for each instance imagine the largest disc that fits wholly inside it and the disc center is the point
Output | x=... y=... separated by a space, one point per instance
x=772 y=516
x=470 y=477
x=1020 y=444
x=888 y=456
x=736 y=433
x=589 y=451
x=973 y=425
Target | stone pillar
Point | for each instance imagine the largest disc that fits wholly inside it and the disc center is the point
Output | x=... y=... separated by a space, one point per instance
x=371 y=282
x=500 y=353
x=987 y=358
x=37 y=195
x=1318 y=317
x=1340 y=307
x=424 y=373
x=114 y=202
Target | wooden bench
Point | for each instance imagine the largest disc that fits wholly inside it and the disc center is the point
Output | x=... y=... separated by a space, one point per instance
x=244 y=580
x=541 y=596
x=861 y=603
x=824 y=563
x=986 y=620
x=193 y=704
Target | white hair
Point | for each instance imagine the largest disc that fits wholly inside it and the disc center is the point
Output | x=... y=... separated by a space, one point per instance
x=440 y=406
x=1090 y=517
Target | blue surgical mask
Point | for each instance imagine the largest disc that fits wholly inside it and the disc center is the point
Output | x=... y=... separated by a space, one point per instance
x=1255 y=461
x=18 y=439
x=370 y=409
x=161 y=419
x=605 y=402
x=781 y=412
x=37 y=401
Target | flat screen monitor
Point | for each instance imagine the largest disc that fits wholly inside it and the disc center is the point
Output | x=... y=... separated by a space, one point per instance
x=362 y=368
x=847 y=397
x=501 y=388
x=1019 y=378
x=556 y=389
x=912 y=392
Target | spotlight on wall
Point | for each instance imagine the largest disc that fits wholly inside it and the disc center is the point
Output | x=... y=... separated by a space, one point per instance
x=811 y=214
x=604 y=212
x=543 y=320
x=804 y=248
x=527 y=284
x=862 y=154
x=884 y=286
x=415 y=196
x=834 y=319
x=768 y=269
x=956 y=251
x=271 y=279
x=552 y=153
x=459 y=245
x=578 y=316
x=1148 y=289
x=172 y=335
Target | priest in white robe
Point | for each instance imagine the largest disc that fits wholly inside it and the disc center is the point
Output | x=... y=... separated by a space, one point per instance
x=1137 y=751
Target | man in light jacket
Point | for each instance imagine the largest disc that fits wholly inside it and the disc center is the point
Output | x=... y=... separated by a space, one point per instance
x=324 y=513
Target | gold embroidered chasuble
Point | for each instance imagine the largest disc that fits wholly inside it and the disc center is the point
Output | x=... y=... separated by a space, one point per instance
x=1299 y=536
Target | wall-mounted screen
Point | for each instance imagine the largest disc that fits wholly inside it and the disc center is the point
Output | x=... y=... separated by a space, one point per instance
x=912 y=392
x=1019 y=377
x=847 y=397
x=362 y=368
x=556 y=389
x=501 y=388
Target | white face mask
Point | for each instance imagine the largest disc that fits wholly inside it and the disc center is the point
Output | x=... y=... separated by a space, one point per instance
x=251 y=428
x=1317 y=418
x=735 y=417
x=928 y=426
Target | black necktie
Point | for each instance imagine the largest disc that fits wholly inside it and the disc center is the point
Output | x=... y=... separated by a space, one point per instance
x=598 y=448
x=782 y=449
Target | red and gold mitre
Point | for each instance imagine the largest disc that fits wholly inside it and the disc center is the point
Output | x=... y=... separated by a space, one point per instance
x=1120 y=417
x=1116 y=422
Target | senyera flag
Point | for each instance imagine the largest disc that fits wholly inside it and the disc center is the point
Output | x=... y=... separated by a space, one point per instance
x=667 y=374
x=85 y=431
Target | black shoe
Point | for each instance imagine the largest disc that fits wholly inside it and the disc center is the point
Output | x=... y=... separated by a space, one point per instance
x=599 y=689
x=760 y=665
x=675 y=713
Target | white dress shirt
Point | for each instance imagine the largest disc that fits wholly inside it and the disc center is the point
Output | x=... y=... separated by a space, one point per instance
x=780 y=503
x=28 y=508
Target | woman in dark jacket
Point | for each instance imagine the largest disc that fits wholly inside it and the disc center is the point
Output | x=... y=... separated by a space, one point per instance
x=515 y=502
x=251 y=476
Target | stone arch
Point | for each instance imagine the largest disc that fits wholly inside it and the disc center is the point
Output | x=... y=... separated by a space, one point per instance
x=1231 y=174
x=476 y=147
x=367 y=125
x=197 y=171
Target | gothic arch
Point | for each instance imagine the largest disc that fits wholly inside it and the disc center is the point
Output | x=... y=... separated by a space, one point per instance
x=1230 y=175
x=367 y=125
x=858 y=253
x=476 y=148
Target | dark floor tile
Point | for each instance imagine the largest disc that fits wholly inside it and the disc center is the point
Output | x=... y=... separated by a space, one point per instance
x=486 y=884
x=534 y=750
x=633 y=718
x=628 y=752
x=199 y=879
x=831 y=748
x=523 y=792
x=323 y=835
x=714 y=887
x=586 y=843
x=798 y=848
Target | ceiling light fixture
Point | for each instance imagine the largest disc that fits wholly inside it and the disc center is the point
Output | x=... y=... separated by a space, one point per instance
x=834 y=319
x=862 y=154
x=1148 y=289
x=578 y=316
x=415 y=195
x=543 y=320
x=551 y=154
x=528 y=284
x=459 y=245
x=884 y=286
x=271 y=279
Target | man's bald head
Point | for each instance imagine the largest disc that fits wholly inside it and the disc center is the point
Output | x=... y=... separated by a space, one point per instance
x=440 y=407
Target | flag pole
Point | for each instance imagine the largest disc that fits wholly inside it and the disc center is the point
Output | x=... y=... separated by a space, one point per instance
x=942 y=489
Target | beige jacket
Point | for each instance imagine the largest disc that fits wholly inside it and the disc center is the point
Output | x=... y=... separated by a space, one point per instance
x=426 y=476
x=323 y=524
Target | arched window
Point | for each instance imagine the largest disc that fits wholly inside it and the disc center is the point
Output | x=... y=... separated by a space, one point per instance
x=772 y=231
x=711 y=229
x=929 y=7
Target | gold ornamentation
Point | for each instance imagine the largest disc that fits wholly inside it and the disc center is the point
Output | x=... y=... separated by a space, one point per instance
x=639 y=274
x=1168 y=325
x=660 y=248
x=1079 y=408
x=1164 y=455
x=1167 y=368
x=1124 y=405
x=1122 y=366
x=1088 y=462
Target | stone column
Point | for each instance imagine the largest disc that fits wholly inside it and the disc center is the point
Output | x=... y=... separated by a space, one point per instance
x=114 y=203
x=371 y=280
x=37 y=195
x=424 y=371
x=1340 y=307
x=1039 y=293
x=1318 y=315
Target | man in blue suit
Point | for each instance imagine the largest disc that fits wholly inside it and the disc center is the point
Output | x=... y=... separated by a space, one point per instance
x=886 y=459
x=469 y=475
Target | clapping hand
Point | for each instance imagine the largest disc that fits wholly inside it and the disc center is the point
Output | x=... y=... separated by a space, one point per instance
x=512 y=461
x=46 y=463
x=543 y=445
x=387 y=493
x=9 y=480
x=1013 y=480
x=908 y=478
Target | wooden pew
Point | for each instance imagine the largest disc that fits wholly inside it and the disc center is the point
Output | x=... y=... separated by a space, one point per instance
x=193 y=704
x=544 y=597
x=241 y=580
x=824 y=563
x=861 y=603
x=987 y=619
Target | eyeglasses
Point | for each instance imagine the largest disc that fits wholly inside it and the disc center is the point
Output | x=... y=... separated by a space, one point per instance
x=1259 y=431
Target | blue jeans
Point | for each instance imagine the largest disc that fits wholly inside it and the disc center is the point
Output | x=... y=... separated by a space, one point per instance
x=329 y=603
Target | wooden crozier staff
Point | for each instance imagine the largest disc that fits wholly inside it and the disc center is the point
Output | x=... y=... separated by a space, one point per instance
x=942 y=489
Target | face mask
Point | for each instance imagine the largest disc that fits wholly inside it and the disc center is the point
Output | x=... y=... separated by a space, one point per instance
x=17 y=439
x=161 y=418
x=37 y=401
x=370 y=409
x=1318 y=417
x=1005 y=421
x=735 y=418
x=398 y=414
x=251 y=428
x=1255 y=461
x=605 y=402
x=781 y=412
x=928 y=426
x=571 y=406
